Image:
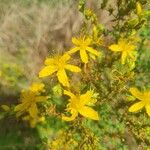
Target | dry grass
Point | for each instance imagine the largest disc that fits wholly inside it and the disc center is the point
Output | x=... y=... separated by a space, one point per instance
x=36 y=31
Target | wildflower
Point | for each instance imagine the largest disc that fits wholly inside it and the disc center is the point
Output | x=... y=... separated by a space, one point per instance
x=124 y=46
x=29 y=100
x=144 y=98
x=83 y=45
x=80 y=104
x=59 y=64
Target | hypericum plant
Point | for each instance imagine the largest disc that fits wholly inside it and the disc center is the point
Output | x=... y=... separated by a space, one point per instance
x=110 y=78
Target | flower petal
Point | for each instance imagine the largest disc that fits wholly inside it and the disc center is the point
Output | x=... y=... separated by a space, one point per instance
x=20 y=107
x=137 y=106
x=136 y=93
x=88 y=41
x=71 y=118
x=123 y=57
x=65 y=57
x=73 y=50
x=72 y=68
x=75 y=41
x=148 y=109
x=84 y=56
x=62 y=77
x=33 y=110
x=46 y=71
x=86 y=98
x=89 y=113
x=69 y=94
x=115 y=47
x=49 y=61
x=91 y=50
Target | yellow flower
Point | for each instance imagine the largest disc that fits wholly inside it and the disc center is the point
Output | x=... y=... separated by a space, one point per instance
x=80 y=104
x=124 y=46
x=59 y=64
x=29 y=100
x=144 y=98
x=83 y=45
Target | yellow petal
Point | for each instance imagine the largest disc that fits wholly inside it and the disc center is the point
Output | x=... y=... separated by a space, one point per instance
x=5 y=107
x=115 y=47
x=20 y=107
x=132 y=47
x=137 y=106
x=84 y=56
x=46 y=71
x=123 y=57
x=75 y=41
x=73 y=50
x=72 y=68
x=138 y=8
x=136 y=93
x=49 y=61
x=91 y=50
x=89 y=113
x=71 y=118
x=131 y=54
x=41 y=98
x=86 y=98
x=65 y=57
x=33 y=111
x=148 y=109
x=69 y=94
x=62 y=77
x=88 y=41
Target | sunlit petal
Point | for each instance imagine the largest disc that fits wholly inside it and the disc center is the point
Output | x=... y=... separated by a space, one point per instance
x=136 y=93
x=75 y=41
x=89 y=113
x=73 y=50
x=62 y=77
x=71 y=118
x=123 y=57
x=47 y=71
x=115 y=47
x=137 y=106
x=148 y=109
x=33 y=110
x=49 y=61
x=84 y=56
x=69 y=94
x=93 y=51
x=65 y=57
x=72 y=68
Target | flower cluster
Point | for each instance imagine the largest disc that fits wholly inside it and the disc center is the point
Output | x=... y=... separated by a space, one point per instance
x=80 y=103
x=28 y=108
